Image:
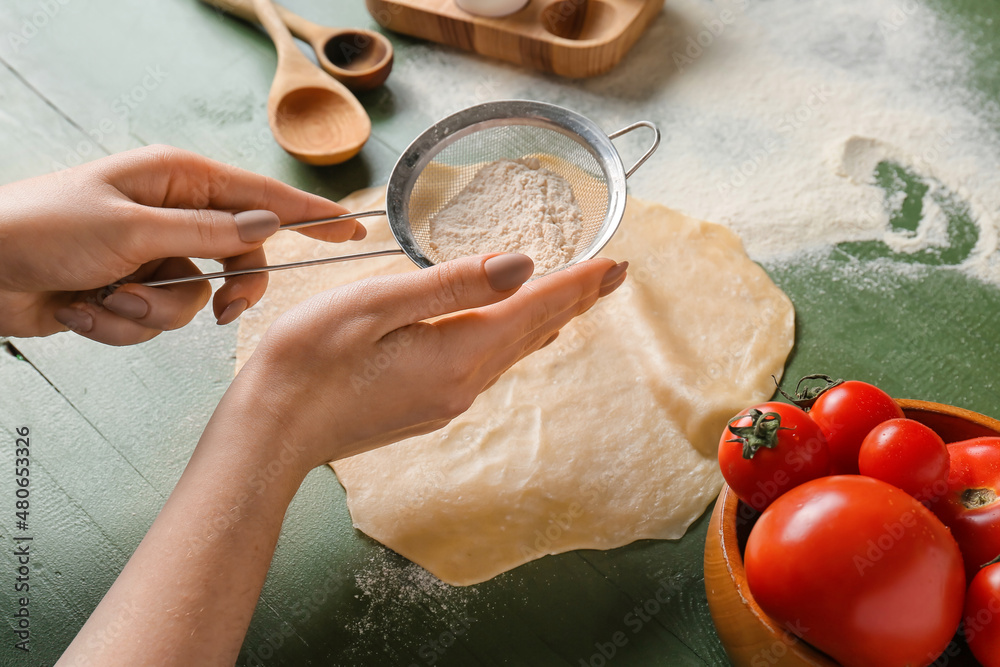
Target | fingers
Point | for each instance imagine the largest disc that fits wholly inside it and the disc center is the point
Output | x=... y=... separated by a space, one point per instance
x=471 y=282
x=97 y=323
x=165 y=308
x=184 y=203
x=173 y=306
x=507 y=331
x=209 y=234
x=135 y=313
x=336 y=232
x=547 y=304
x=240 y=292
x=537 y=344
x=167 y=177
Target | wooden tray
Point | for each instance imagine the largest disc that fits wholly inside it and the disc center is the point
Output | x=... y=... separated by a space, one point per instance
x=550 y=35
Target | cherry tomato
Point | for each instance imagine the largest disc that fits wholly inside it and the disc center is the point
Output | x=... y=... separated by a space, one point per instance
x=971 y=505
x=908 y=455
x=770 y=448
x=982 y=616
x=846 y=413
x=860 y=570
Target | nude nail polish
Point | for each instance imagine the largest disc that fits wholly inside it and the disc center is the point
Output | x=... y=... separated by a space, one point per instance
x=233 y=310
x=127 y=305
x=505 y=272
x=614 y=273
x=255 y=226
x=608 y=289
x=74 y=319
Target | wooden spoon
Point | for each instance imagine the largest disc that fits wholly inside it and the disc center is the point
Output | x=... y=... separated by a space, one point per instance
x=312 y=116
x=359 y=59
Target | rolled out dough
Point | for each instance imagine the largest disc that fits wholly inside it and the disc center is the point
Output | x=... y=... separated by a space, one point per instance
x=605 y=437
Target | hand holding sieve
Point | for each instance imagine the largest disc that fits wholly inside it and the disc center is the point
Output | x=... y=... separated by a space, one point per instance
x=448 y=155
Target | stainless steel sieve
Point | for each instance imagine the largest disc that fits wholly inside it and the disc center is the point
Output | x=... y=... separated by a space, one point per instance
x=442 y=161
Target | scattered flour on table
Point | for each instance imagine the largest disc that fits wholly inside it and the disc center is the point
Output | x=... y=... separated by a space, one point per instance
x=775 y=115
x=511 y=206
x=393 y=586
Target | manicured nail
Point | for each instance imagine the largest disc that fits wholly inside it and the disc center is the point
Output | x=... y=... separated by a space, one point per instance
x=505 y=272
x=233 y=310
x=608 y=289
x=614 y=273
x=75 y=319
x=127 y=305
x=255 y=226
x=359 y=232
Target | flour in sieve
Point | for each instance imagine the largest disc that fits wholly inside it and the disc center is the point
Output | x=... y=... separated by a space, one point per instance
x=511 y=206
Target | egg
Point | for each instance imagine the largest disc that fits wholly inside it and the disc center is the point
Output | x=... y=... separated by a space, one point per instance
x=491 y=8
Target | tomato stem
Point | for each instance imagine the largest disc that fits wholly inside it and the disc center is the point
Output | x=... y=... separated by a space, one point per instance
x=805 y=396
x=761 y=432
x=973 y=498
x=992 y=562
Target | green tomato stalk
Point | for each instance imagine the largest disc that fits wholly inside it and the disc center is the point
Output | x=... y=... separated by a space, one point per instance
x=805 y=396
x=761 y=432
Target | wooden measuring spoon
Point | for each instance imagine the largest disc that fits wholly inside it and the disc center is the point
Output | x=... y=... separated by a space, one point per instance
x=359 y=59
x=312 y=116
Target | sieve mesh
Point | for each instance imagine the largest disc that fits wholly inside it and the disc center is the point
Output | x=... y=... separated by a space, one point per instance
x=450 y=171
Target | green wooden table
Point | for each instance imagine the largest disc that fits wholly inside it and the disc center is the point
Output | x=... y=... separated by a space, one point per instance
x=111 y=429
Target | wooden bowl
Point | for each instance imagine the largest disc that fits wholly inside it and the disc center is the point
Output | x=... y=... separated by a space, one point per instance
x=750 y=636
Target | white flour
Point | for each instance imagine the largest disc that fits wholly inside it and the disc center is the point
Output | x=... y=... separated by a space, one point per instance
x=390 y=587
x=511 y=206
x=775 y=115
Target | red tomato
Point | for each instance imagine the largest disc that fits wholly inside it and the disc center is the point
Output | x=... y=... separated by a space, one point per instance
x=982 y=616
x=971 y=505
x=769 y=449
x=860 y=570
x=908 y=455
x=846 y=413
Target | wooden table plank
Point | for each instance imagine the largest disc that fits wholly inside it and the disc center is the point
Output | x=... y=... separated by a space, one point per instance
x=77 y=458
x=152 y=401
x=80 y=535
x=119 y=424
x=35 y=136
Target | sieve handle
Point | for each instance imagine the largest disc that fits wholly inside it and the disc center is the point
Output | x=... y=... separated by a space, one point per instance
x=280 y=267
x=275 y=267
x=652 y=149
x=324 y=221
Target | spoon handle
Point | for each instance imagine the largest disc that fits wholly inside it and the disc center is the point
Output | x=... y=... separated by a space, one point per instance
x=275 y=27
x=244 y=9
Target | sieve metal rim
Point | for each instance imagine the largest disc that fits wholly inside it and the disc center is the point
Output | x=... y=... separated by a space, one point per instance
x=473 y=119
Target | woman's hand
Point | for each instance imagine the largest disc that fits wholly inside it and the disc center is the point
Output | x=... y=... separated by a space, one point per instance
x=140 y=214
x=360 y=366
